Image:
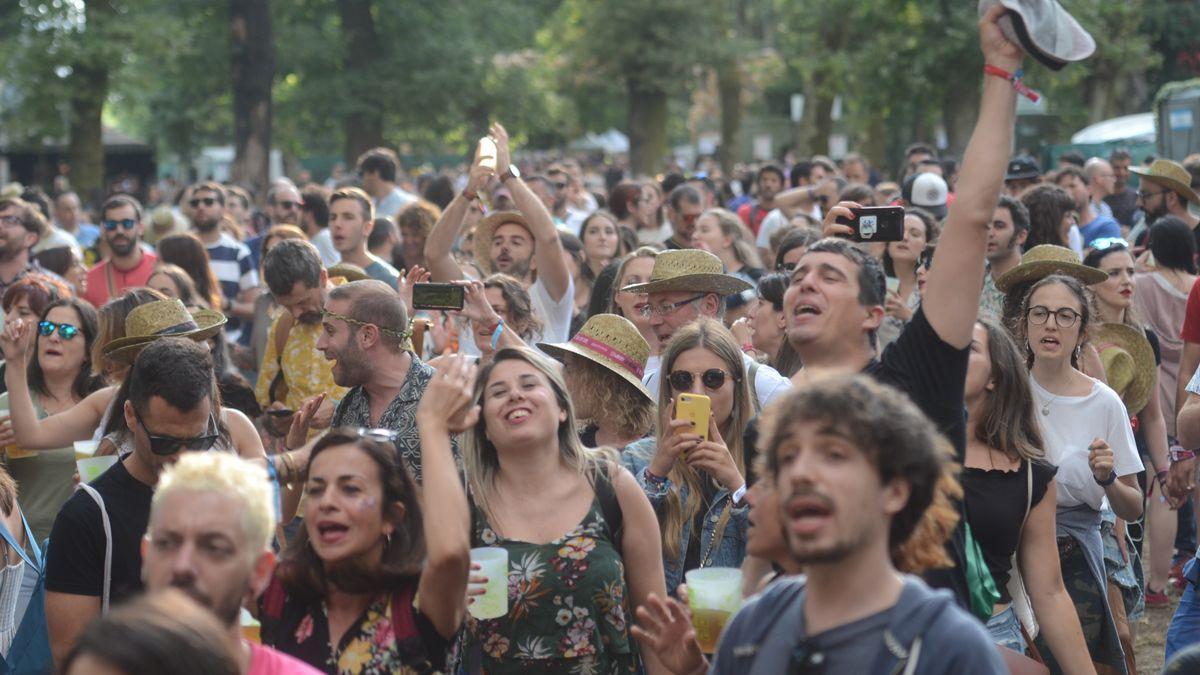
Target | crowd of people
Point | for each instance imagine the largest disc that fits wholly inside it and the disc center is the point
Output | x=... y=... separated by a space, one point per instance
x=963 y=461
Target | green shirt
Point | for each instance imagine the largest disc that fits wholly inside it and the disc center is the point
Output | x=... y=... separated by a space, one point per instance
x=44 y=482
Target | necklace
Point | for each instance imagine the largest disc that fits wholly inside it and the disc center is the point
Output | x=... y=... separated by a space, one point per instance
x=1046 y=405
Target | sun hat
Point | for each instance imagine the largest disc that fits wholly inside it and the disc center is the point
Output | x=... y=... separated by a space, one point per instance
x=689 y=269
x=1041 y=261
x=1172 y=176
x=162 y=318
x=1128 y=362
x=927 y=191
x=483 y=236
x=348 y=271
x=1044 y=30
x=1021 y=168
x=611 y=341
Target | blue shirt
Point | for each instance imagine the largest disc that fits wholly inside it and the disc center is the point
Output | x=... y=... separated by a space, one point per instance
x=87 y=235
x=1103 y=226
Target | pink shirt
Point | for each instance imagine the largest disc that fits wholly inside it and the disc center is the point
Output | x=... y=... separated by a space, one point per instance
x=267 y=661
x=98 y=279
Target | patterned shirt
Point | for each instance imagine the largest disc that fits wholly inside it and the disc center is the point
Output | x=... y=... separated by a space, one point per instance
x=400 y=416
x=306 y=371
x=991 y=300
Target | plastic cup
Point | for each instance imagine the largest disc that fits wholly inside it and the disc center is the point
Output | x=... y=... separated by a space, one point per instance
x=86 y=449
x=493 y=562
x=714 y=594
x=12 y=451
x=251 y=628
x=91 y=468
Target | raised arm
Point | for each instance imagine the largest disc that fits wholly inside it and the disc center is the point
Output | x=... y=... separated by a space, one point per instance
x=548 y=252
x=440 y=241
x=446 y=408
x=951 y=297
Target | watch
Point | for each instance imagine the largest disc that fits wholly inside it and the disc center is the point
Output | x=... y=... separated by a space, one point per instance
x=513 y=172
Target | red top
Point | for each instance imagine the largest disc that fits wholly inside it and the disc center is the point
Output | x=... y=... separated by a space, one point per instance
x=267 y=661
x=99 y=279
x=745 y=211
x=1191 y=321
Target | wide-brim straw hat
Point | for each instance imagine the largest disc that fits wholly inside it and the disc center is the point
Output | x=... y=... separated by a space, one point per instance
x=610 y=341
x=162 y=318
x=347 y=271
x=1172 y=176
x=1041 y=261
x=486 y=229
x=1044 y=30
x=1128 y=362
x=689 y=269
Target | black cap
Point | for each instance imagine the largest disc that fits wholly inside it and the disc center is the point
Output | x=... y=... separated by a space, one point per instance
x=1022 y=167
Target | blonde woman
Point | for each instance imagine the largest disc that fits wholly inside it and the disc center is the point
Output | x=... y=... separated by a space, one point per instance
x=575 y=575
x=698 y=486
x=723 y=234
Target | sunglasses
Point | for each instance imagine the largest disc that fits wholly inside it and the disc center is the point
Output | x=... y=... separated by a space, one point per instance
x=65 y=330
x=207 y=201
x=689 y=218
x=127 y=224
x=712 y=379
x=169 y=445
x=289 y=205
x=1105 y=243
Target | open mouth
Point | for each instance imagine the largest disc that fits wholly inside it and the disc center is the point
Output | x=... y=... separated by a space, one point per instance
x=1050 y=341
x=806 y=515
x=517 y=416
x=330 y=532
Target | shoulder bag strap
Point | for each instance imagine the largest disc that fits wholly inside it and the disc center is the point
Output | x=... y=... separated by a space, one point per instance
x=9 y=539
x=610 y=505
x=91 y=491
x=109 y=281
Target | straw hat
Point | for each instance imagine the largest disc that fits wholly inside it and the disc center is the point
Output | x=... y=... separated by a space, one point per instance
x=689 y=269
x=348 y=271
x=162 y=318
x=1128 y=362
x=610 y=341
x=1172 y=176
x=1041 y=261
x=487 y=228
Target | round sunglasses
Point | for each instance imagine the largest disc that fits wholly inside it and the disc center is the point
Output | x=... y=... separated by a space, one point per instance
x=65 y=330
x=712 y=379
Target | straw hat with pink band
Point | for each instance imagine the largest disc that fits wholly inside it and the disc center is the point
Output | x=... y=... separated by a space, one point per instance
x=610 y=341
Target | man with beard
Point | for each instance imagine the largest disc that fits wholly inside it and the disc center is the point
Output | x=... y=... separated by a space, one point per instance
x=854 y=465
x=770 y=183
x=292 y=370
x=1006 y=240
x=523 y=244
x=97 y=534
x=351 y=219
x=229 y=258
x=209 y=535
x=21 y=226
x=1123 y=199
x=1167 y=190
x=684 y=206
x=364 y=334
x=129 y=266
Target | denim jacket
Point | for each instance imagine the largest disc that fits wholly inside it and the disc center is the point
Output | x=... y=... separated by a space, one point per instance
x=728 y=552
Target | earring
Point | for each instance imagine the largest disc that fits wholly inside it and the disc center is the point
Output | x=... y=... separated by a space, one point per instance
x=387 y=540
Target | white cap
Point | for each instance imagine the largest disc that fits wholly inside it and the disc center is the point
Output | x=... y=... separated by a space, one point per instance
x=927 y=191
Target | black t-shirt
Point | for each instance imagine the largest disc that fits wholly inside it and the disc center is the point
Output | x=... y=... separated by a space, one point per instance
x=995 y=506
x=75 y=558
x=1124 y=206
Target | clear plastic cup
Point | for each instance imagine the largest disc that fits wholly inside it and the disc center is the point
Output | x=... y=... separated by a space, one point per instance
x=91 y=468
x=493 y=562
x=86 y=449
x=714 y=594
x=12 y=451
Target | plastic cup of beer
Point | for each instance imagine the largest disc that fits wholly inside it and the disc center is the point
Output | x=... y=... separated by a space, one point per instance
x=11 y=451
x=493 y=563
x=86 y=449
x=714 y=594
x=91 y=468
x=251 y=628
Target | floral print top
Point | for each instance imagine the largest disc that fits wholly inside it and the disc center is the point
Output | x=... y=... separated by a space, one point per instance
x=568 y=605
x=392 y=636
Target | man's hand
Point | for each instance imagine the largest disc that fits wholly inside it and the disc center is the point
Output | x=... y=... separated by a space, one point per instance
x=1181 y=481
x=503 y=158
x=302 y=422
x=665 y=628
x=404 y=286
x=997 y=50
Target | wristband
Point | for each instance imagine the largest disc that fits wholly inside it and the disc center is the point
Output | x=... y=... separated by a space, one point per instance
x=496 y=333
x=471 y=196
x=1107 y=481
x=738 y=494
x=1015 y=78
x=652 y=479
x=749 y=347
x=1178 y=454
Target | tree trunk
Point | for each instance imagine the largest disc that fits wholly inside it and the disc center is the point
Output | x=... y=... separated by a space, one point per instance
x=363 y=123
x=647 y=129
x=253 y=68
x=85 y=149
x=729 y=87
x=959 y=110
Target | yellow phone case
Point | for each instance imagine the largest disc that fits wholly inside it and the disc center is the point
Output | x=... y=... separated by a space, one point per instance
x=696 y=408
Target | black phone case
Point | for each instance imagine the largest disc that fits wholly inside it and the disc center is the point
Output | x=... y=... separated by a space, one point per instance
x=887 y=224
x=431 y=296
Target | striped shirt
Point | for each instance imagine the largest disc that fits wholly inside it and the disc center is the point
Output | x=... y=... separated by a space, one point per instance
x=234 y=269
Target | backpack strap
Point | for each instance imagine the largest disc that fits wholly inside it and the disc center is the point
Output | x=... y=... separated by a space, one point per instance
x=91 y=492
x=610 y=506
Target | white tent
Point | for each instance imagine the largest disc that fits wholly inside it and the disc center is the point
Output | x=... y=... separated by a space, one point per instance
x=612 y=142
x=1139 y=127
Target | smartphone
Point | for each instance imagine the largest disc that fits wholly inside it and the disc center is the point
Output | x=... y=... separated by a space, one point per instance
x=487 y=152
x=281 y=412
x=437 y=296
x=893 y=284
x=697 y=408
x=876 y=223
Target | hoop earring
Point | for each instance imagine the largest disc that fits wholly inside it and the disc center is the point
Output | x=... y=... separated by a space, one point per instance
x=1078 y=351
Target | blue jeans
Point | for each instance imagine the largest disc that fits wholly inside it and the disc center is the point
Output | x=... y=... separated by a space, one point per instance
x=1005 y=630
x=1184 y=630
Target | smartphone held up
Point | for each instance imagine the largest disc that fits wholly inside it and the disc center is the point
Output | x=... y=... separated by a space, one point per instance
x=875 y=223
x=695 y=408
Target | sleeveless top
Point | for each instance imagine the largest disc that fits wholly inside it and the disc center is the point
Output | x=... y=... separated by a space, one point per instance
x=568 y=604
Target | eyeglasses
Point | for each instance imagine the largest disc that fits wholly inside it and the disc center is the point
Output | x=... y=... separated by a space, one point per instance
x=11 y=221
x=169 y=445
x=207 y=201
x=126 y=224
x=1063 y=318
x=1105 y=243
x=648 y=310
x=712 y=379
x=786 y=268
x=1146 y=195
x=399 y=335
x=289 y=205
x=65 y=330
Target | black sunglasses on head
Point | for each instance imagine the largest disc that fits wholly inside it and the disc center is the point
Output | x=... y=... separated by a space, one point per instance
x=207 y=201
x=712 y=379
x=169 y=445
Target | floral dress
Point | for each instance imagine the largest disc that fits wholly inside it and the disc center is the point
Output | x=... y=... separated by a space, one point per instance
x=392 y=636
x=568 y=605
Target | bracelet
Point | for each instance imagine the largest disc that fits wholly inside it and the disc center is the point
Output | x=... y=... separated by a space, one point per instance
x=749 y=347
x=496 y=333
x=290 y=475
x=1015 y=78
x=1107 y=481
x=1178 y=454
x=652 y=479
x=471 y=196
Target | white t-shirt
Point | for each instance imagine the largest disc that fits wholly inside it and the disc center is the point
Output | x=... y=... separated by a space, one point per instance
x=655 y=236
x=768 y=383
x=1075 y=240
x=774 y=220
x=1073 y=423
x=323 y=240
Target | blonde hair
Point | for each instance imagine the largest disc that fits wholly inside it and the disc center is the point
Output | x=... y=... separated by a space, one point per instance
x=599 y=392
x=640 y=252
x=230 y=476
x=741 y=241
x=708 y=334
